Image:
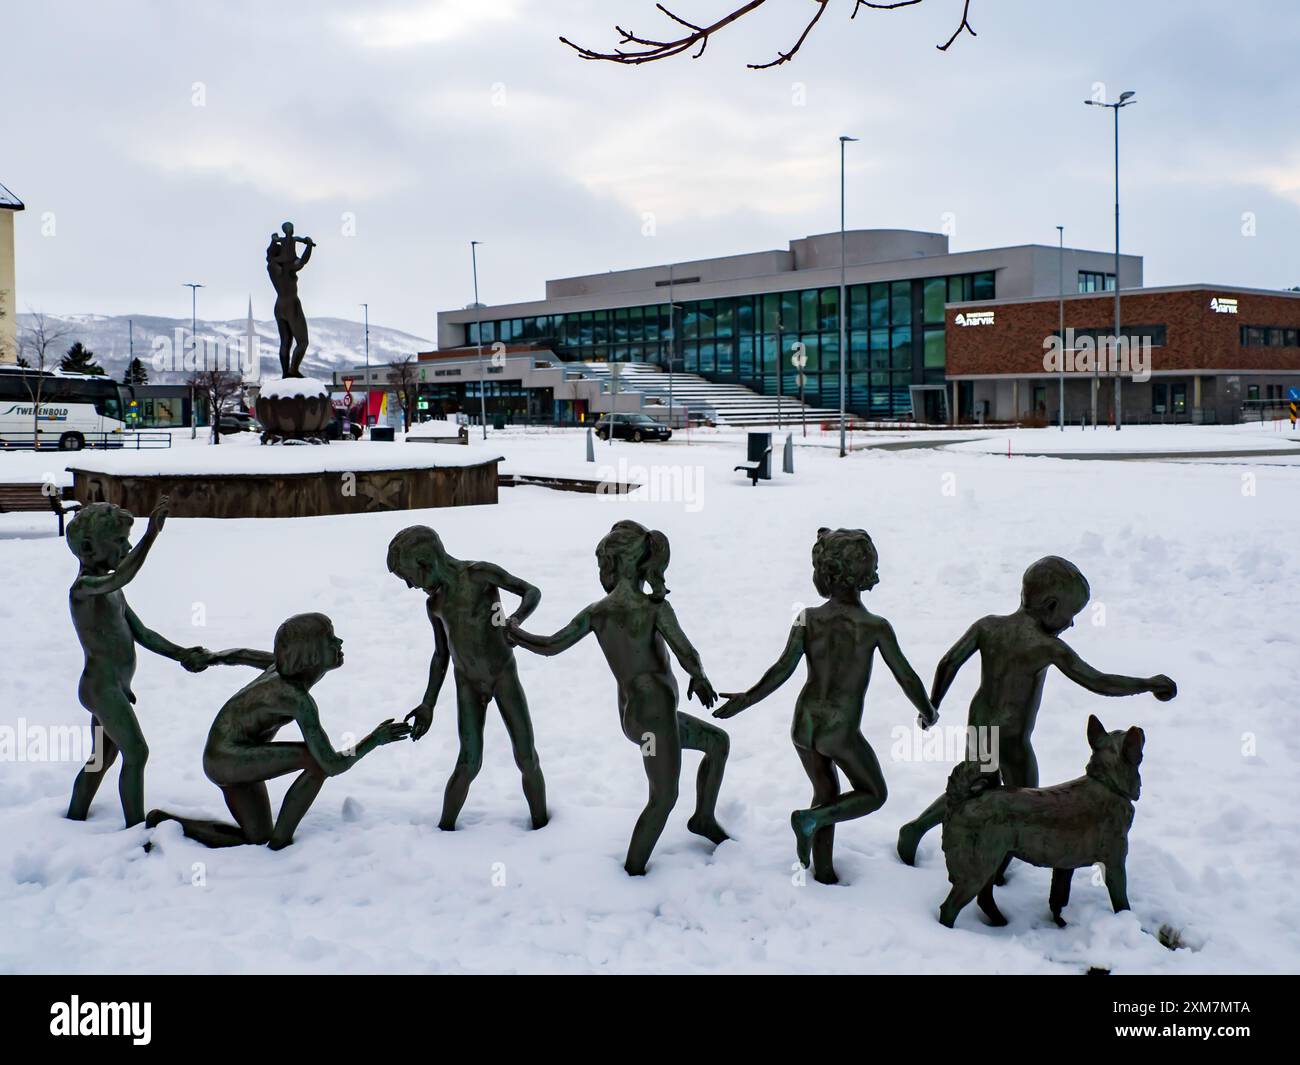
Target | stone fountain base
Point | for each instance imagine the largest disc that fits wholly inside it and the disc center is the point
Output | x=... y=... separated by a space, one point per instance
x=294 y=410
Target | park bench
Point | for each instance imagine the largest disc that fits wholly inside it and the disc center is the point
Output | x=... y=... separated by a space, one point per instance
x=759 y=463
x=34 y=497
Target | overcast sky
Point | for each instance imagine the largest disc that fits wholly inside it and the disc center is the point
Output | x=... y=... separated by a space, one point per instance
x=156 y=143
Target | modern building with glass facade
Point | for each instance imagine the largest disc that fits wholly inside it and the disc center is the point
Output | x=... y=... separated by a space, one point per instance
x=741 y=318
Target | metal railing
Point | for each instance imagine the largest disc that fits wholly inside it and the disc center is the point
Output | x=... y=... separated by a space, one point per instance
x=136 y=440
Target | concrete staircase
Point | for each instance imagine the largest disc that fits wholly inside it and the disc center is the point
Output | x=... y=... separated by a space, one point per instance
x=723 y=404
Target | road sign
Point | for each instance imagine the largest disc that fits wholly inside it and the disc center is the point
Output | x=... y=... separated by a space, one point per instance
x=347 y=384
x=1293 y=394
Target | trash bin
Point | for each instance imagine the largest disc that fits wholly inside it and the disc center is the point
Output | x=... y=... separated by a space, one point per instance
x=498 y=421
x=382 y=432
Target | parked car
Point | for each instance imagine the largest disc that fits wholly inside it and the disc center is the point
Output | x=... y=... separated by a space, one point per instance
x=636 y=427
x=235 y=421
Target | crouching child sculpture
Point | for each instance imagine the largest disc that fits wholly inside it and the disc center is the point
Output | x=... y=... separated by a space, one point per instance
x=242 y=754
x=1062 y=828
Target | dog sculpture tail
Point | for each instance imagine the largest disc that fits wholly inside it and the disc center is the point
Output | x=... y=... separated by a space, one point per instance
x=965 y=782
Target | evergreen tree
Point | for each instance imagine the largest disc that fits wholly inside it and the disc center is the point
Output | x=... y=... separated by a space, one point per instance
x=80 y=359
x=135 y=374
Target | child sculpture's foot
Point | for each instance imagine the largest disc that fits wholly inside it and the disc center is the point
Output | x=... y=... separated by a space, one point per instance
x=539 y=821
x=908 y=841
x=707 y=827
x=804 y=825
x=826 y=876
x=155 y=818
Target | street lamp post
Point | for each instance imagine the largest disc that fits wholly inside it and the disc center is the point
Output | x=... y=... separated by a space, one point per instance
x=194 y=287
x=1060 y=264
x=844 y=345
x=365 y=413
x=478 y=339
x=1125 y=99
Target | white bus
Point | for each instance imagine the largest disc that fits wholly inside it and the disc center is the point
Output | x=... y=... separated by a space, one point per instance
x=75 y=409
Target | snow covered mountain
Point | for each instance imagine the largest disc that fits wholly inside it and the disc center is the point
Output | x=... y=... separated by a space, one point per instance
x=335 y=343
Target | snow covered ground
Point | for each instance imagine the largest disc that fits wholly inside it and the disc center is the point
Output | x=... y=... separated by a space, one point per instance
x=1193 y=571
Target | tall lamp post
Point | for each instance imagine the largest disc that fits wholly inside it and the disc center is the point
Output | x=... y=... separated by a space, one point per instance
x=1060 y=265
x=365 y=413
x=844 y=344
x=194 y=287
x=1125 y=99
x=478 y=329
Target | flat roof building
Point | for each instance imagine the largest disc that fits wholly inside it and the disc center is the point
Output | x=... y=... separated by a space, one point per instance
x=1195 y=353
x=732 y=315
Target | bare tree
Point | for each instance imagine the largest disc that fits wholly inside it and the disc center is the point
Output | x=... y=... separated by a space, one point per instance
x=37 y=339
x=696 y=39
x=222 y=388
x=404 y=376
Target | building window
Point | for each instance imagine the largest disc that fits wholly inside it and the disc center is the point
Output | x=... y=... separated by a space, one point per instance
x=1259 y=336
x=1096 y=281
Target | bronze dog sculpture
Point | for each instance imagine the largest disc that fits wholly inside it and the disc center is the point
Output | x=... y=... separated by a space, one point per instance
x=1062 y=828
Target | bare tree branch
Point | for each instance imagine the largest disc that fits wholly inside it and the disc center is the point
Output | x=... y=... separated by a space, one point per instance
x=888 y=6
x=650 y=49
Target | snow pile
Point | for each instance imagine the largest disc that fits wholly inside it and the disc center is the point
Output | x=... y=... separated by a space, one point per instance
x=1190 y=567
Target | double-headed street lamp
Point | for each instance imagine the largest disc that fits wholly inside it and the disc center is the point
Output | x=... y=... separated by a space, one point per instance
x=844 y=344
x=1125 y=98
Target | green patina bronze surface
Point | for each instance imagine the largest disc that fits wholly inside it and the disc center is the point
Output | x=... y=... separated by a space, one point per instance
x=1082 y=823
x=1015 y=652
x=838 y=640
x=635 y=630
x=469 y=631
x=109 y=630
x=242 y=753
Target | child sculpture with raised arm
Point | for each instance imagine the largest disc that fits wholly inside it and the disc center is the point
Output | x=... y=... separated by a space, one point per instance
x=838 y=640
x=242 y=753
x=469 y=631
x=109 y=630
x=635 y=630
x=1015 y=652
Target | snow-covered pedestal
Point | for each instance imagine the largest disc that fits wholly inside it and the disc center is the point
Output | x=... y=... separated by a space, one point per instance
x=292 y=482
x=294 y=408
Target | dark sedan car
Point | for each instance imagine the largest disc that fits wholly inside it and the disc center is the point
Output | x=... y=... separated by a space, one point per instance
x=636 y=427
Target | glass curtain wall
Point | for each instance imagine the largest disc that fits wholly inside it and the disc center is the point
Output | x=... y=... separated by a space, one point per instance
x=895 y=338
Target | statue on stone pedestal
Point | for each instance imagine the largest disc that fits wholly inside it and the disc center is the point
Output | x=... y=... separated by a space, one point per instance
x=109 y=630
x=635 y=630
x=282 y=265
x=838 y=640
x=242 y=753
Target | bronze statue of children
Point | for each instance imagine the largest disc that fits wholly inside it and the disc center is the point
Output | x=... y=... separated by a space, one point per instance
x=242 y=753
x=1015 y=652
x=469 y=630
x=838 y=640
x=635 y=631
x=109 y=630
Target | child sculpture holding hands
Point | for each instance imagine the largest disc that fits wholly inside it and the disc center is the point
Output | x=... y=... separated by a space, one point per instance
x=838 y=640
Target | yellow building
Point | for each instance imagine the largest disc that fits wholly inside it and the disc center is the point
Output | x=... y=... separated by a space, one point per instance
x=9 y=205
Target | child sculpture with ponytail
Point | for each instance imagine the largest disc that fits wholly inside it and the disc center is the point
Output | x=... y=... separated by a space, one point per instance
x=635 y=630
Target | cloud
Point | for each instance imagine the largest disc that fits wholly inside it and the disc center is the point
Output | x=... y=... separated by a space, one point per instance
x=290 y=167
x=413 y=25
